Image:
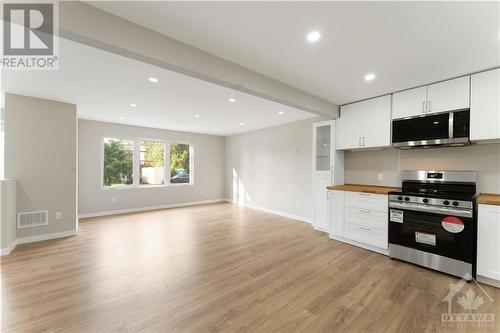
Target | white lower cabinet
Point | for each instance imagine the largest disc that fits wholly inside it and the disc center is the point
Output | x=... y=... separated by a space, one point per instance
x=336 y=206
x=360 y=219
x=365 y=235
x=320 y=199
x=488 y=244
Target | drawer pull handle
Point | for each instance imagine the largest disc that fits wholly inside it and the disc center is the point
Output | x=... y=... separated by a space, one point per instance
x=363 y=228
x=364 y=211
x=365 y=194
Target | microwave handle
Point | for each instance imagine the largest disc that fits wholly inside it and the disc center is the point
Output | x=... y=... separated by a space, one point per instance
x=450 y=125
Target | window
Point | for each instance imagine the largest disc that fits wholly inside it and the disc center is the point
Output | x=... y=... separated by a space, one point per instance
x=180 y=160
x=152 y=163
x=143 y=162
x=118 y=162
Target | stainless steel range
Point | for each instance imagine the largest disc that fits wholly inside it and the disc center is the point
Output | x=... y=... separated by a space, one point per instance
x=432 y=221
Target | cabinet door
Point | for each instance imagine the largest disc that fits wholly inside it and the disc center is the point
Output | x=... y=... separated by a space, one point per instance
x=448 y=95
x=409 y=103
x=485 y=106
x=488 y=242
x=349 y=129
x=322 y=150
x=336 y=202
x=377 y=122
x=320 y=201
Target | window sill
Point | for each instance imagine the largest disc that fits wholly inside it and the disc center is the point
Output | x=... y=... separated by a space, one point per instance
x=144 y=186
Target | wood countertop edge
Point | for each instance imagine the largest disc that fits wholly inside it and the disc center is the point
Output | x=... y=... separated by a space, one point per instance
x=374 y=189
x=489 y=199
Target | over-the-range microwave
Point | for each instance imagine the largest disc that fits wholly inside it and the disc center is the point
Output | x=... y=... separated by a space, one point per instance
x=432 y=130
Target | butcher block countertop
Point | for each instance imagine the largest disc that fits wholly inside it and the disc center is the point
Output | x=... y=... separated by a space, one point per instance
x=363 y=188
x=489 y=199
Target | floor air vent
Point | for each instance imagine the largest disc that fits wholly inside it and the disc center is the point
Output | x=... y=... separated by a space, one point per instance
x=32 y=219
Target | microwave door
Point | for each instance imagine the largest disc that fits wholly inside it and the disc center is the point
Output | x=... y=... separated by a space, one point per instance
x=426 y=130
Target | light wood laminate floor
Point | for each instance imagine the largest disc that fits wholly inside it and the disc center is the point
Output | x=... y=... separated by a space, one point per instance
x=217 y=268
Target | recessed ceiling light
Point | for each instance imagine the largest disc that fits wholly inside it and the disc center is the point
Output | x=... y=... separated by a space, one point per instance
x=122 y=118
x=370 y=77
x=313 y=36
x=153 y=79
x=132 y=105
x=232 y=100
x=197 y=116
x=241 y=124
x=281 y=113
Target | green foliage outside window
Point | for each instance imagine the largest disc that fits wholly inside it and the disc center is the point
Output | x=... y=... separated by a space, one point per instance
x=154 y=153
x=118 y=162
x=179 y=158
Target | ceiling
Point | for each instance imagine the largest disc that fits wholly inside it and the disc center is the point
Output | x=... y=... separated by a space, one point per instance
x=404 y=43
x=103 y=85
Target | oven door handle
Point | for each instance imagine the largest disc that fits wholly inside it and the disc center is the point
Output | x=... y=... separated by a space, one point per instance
x=428 y=209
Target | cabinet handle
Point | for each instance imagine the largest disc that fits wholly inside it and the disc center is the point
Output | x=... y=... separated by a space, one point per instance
x=363 y=228
x=423 y=107
x=364 y=193
x=359 y=141
x=364 y=138
x=430 y=106
x=364 y=211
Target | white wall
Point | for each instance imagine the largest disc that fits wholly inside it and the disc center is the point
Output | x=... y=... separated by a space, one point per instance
x=272 y=168
x=8 y=194
x=40 y=152
x=362 y=167
x=208 y=170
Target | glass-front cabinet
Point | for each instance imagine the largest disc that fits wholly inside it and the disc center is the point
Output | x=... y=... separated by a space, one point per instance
x=322 y=147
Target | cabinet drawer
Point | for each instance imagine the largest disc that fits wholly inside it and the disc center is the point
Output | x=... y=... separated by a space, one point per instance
x=369 y=236
x=367 y=201
x=368 y=218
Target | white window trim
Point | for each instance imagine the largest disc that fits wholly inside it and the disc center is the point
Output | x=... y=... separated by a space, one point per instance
x=136 y=164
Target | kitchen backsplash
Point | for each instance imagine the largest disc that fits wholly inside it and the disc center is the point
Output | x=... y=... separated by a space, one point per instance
x=364 y=167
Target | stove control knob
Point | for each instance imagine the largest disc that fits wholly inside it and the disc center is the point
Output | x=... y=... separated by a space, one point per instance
x=425 y=201
x=407 y=198
x=400 y=198
x=446 y=202
x=455 y=203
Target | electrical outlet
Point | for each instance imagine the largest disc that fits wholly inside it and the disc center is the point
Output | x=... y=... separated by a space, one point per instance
x=58 y=215
x=380 y=177
x=113 y=199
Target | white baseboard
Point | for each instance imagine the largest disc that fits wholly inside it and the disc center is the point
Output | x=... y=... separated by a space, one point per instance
x=7 y=250
x=37 y=238
x=145 y=209
x=272 y=211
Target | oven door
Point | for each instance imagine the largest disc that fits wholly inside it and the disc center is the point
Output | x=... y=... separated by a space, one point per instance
x=443 y=231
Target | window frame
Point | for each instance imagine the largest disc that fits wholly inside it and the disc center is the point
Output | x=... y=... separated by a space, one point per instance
x=191 y=163
x=102 y=163
x=136 y=158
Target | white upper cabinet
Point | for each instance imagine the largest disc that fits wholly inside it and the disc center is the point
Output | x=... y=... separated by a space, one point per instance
x=409 y=103
x=365 y=124
x=377 y=122
x=349 y=127
x=439 y=97
x=448 y=95
x=326 y=160
x=322 y=149
x=485 y=106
